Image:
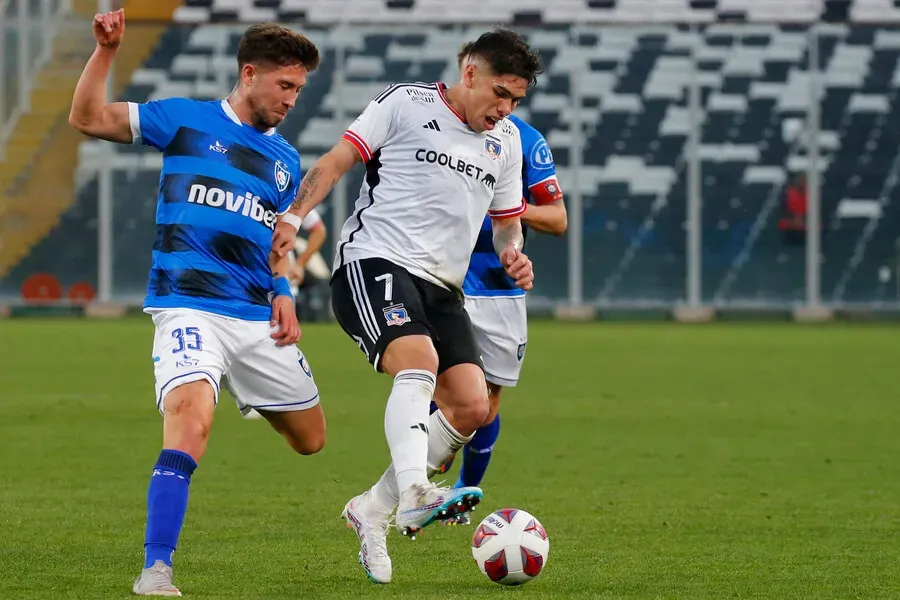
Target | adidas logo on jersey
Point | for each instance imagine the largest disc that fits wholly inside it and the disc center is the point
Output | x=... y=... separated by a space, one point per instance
x=432 y=124
x=246 y=204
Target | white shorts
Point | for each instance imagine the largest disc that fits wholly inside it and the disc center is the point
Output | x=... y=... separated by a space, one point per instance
x=192 y=345
x=501 y=331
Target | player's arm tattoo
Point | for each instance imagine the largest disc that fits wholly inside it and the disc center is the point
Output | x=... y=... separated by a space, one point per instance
x=315 y=186
x=306 y=187
x=506 y=232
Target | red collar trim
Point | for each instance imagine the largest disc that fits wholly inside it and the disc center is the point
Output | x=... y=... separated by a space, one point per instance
x=440 y=88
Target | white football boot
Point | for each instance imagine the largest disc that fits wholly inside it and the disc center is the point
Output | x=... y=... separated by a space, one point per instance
x=372 y=532
x=156 y=581
x=424 y=503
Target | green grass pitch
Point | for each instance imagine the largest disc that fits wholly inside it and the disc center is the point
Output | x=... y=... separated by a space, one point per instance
x=718 y=461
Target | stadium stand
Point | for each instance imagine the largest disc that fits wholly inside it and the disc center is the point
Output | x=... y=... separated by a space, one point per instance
x=526 y=11
x=632 y=87
x=41 y=152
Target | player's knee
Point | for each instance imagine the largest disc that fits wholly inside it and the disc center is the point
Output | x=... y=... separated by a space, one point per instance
x=472 y=413
x=191 y=425
x=423 y=357
x=188 y=411
x=471 y=418
x=304 y=431
x=197 y=429
x=308 y=444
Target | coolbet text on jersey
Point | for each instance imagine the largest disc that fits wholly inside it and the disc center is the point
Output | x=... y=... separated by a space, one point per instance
x=486 y=276
x=221 y=188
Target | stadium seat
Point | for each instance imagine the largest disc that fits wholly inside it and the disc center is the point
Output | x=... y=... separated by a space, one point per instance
x=320 y=12
x=620 y=95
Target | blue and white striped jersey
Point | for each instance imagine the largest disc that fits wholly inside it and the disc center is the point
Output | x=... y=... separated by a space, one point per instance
x=221 y=188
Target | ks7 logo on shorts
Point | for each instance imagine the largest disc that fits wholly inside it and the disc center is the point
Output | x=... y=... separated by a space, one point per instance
x=396 y=314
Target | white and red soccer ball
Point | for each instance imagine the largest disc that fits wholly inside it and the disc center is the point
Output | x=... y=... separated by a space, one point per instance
x=510 y=546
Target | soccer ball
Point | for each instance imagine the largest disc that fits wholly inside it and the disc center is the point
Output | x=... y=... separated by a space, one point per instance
x=510 y=546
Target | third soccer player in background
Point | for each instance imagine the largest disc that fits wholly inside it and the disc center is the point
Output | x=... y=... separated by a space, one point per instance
x=494 y=302
x=497 y=306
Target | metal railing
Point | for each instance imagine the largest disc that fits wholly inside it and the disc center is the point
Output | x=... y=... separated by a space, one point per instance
x=27 y=29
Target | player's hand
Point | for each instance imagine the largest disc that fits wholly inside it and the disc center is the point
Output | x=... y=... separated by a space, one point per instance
x=283 y=240
x=285 y=319
x=518 y=266
x=109 y=28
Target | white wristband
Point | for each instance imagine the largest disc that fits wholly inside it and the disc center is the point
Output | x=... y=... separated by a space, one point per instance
x=292 y=220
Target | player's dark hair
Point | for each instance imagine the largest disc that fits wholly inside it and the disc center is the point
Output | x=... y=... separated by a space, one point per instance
x=276 y=45
x=507 y=53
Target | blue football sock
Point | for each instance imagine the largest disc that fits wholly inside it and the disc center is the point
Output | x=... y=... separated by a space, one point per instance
x=167 y=500
x=477 y=454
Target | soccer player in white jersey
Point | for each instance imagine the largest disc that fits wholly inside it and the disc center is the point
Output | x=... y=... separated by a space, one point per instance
x=219 y=298
x=437 y=160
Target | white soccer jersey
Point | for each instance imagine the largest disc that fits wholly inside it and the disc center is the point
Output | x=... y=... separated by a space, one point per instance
x=429 y=182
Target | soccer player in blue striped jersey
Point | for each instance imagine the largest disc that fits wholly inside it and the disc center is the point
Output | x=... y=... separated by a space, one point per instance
x=220 y=302
x=497 y=307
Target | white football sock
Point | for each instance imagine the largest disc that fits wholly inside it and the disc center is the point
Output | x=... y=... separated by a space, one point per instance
x=405 y=428
x=443 y=441
x=384 y=494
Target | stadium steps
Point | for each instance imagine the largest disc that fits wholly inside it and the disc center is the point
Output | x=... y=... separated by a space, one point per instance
x=55 y=84
x=50 y=98
x=43 y=152
x=155 y=10
x=84 y=8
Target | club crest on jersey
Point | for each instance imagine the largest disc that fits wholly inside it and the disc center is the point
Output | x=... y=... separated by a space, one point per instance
x=282 y=176
x=521 y=351
x=396 y=315
x=493 y=148
x=305 y=366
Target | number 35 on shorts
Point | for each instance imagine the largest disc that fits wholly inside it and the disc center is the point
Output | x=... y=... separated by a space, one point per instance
x=187 y=339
